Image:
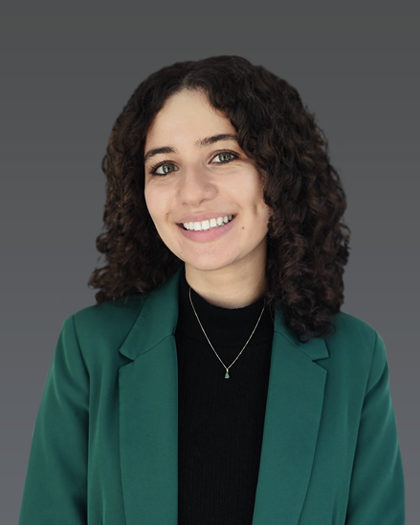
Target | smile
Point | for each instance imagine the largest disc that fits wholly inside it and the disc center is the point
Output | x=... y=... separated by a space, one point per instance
x=208 y=224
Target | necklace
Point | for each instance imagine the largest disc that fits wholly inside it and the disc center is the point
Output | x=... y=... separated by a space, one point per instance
x=212 y=347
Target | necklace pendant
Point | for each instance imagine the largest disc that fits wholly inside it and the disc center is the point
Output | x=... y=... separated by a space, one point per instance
x=227 y=374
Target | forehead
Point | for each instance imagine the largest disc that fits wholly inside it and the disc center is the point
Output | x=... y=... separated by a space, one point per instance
x=186 y=117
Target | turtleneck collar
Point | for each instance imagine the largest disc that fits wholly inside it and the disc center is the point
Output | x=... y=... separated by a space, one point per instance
x=223 y=326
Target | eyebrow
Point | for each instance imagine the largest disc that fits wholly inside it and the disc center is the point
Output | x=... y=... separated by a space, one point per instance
x=199 y=143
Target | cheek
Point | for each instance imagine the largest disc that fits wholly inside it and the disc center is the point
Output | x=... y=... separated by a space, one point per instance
x=147 y=197
x=157 y=205
x=153 y=203
x=260 y=207
x=263 y=216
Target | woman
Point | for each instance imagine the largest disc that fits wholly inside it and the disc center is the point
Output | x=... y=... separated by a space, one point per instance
x=217 y=381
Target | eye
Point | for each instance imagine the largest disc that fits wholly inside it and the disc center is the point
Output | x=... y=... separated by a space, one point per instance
x=225 y=157
x=164 y=167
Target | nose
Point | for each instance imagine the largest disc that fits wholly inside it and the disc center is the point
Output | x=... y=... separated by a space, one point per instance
x=195 y=186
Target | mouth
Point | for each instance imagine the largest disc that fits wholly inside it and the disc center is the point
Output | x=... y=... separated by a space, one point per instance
x=209 y=224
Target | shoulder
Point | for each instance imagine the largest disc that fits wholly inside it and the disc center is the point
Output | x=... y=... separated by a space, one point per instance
x=356 y=346
x=109 y=317
x=351 y=330
x=99 y=330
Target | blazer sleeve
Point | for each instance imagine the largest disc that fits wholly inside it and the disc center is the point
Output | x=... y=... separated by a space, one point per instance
x=56 y=482
x=377 y=483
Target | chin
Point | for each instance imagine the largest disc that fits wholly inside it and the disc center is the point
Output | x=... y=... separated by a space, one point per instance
x=207 y=265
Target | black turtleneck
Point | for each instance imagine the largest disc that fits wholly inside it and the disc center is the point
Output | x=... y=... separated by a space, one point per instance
x=220 y=420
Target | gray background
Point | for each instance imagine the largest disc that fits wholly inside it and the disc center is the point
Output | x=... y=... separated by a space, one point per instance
x=67 y=71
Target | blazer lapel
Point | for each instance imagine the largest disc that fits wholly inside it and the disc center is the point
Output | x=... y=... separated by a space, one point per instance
x=148 y=390
x=293 y=413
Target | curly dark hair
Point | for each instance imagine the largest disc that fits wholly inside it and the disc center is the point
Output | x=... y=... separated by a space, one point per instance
x=307 y=238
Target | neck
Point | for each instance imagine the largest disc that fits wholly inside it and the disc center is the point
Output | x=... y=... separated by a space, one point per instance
x=223 y=289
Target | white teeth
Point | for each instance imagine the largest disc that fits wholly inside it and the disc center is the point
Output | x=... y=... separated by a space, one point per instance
x=207 y=224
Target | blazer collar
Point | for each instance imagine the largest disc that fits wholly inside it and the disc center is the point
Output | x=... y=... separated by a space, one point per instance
x=159 y=316
x=156 y=321
x=148 y=389
x=315 y=349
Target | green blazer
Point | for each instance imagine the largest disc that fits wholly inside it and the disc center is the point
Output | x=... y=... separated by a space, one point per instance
x=104 y=449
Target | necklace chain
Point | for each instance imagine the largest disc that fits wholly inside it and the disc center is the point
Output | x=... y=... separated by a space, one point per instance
x=212 y=347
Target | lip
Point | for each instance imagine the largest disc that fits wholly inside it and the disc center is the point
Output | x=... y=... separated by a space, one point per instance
x=207 y=235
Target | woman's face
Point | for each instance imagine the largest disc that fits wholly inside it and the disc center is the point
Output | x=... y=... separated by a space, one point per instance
x=204 y=195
